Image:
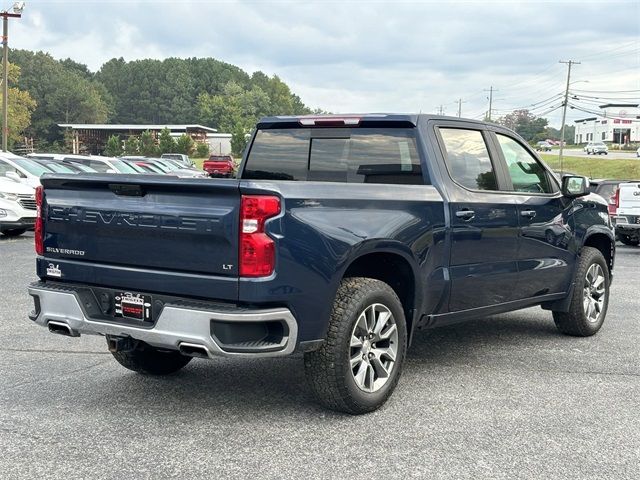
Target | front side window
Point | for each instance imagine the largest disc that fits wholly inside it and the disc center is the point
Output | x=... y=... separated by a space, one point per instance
x=527 y=174
x=468 y=159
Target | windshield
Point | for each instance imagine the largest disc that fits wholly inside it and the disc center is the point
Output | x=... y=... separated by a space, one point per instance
x=166 y=165
x=175 y=163
x=30 y=166
x=123 y=167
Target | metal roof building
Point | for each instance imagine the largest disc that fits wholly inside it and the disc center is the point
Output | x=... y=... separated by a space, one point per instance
x=92 y=137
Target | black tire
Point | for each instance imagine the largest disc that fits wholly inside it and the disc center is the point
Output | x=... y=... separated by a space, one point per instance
x=575 y=322
x=14 y=232
x=148 y=360
x=328 y=369
x=627 y=240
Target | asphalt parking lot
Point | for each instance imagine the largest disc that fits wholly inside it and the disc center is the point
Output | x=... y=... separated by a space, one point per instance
x=502 y=397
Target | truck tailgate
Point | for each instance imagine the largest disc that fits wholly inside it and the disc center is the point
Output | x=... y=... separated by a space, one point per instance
x=180 y=228
x=629 y=199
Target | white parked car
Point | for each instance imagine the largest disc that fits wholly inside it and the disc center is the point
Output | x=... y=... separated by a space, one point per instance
x=24 y=170
x=180 y=157
x=596 y=148
x=17 y=207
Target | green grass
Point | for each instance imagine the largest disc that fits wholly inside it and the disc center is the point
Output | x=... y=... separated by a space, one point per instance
x=596 y=167
x=199 y=161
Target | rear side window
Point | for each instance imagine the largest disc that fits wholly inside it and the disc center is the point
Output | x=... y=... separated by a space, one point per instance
x=359 y=155
x=468 y=159
x=527 y=175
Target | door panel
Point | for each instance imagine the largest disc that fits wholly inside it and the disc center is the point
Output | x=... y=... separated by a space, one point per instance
x=483 y=250
x=544 y=218
x=484 y=223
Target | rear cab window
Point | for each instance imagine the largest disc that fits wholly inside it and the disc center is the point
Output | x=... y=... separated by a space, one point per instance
x=347 y=155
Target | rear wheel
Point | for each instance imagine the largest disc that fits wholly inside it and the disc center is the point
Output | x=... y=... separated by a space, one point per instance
x=628 y=240
x=590 y=297
x=151 y=361
x=358 y=366
x=14 y=232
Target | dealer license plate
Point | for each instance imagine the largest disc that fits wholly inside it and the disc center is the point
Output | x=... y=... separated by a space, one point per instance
x=133 y=305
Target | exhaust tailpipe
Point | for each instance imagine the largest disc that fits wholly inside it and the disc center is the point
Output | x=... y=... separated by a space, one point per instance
x=61 y=328
x=193 y=350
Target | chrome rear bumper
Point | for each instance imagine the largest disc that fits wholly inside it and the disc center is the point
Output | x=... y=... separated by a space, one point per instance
x=177 y=327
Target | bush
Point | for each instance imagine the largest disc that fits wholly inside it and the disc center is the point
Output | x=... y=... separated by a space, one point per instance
x=132 y=146
x=166 y=143
x=148 y=146
x=202 y=150
x=113 y=147
x=184 y=144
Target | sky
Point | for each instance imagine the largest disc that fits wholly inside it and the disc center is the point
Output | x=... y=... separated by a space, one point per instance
x=371 y=56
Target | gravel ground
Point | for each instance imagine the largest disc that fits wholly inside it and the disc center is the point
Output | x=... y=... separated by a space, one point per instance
x=501 y=397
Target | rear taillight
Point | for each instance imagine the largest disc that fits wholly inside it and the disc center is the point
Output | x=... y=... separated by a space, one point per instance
x=616 y=198
x=39 y=232
x=257 y=249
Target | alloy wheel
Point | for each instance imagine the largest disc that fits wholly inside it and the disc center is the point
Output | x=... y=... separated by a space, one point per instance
x=594 y=293
x=373 y=347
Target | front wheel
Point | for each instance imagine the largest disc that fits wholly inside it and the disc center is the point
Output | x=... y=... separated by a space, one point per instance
x=590 y=297
x=358 y=366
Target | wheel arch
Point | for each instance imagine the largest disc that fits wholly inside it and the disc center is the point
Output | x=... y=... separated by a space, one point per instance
x=603 y=240
x=395 y=268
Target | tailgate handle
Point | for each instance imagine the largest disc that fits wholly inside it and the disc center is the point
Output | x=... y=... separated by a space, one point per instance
x=127 y=189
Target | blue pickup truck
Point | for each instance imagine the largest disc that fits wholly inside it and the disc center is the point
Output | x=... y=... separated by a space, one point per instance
x=340 y=236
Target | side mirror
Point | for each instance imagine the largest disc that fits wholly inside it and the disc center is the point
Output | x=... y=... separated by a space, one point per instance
x=13 y=176
x=574 y=186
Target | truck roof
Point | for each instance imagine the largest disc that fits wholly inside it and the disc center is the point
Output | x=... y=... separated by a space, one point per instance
x=352 y=119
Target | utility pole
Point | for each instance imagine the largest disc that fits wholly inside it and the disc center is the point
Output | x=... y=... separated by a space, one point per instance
x=441 y=110
x=17 y=13
x=460 y=102
x=564 y=109
x=490 y=98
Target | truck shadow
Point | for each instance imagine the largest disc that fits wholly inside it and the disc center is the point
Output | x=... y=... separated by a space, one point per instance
x=232 y=387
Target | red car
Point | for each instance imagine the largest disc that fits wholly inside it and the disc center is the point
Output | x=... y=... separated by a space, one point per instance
x=219 y=166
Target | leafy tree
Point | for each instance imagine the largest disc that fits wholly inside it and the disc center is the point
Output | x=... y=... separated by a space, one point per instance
x=202 y=150
x=166 y=143
x=132 y=146
x=524 y=123
x=63 y=93
x=113 y=147
x=148 y=146
x=185 y=144
x=21 y=107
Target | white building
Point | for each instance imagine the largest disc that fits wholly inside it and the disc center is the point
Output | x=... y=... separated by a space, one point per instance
x=618 y=123
x=219 y=143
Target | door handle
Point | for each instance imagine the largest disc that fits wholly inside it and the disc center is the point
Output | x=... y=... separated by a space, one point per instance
x=465 y=214
x=528 y=213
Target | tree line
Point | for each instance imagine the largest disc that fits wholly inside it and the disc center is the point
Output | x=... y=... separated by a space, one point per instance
x=171 y=91
x=45 y=91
